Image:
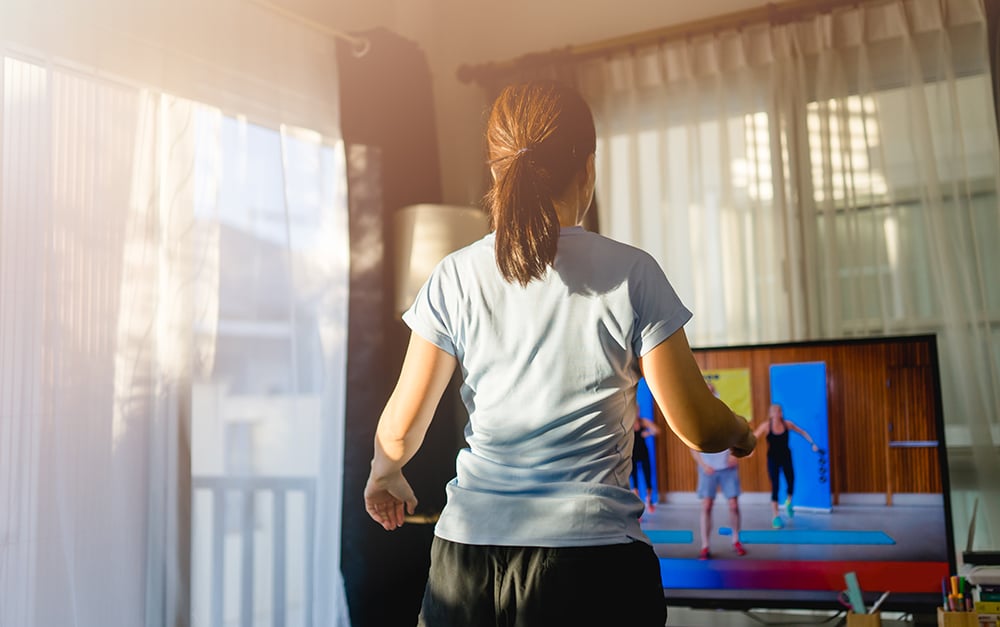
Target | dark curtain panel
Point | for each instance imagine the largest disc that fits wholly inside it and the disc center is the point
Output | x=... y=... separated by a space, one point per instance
x=993 y=35
x=387 y=118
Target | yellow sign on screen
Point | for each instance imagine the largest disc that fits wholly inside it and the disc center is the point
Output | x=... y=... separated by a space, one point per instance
x=732 y=385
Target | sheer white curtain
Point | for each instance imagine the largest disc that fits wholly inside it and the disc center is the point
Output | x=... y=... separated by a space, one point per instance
x=831 y=177
x=173 y=302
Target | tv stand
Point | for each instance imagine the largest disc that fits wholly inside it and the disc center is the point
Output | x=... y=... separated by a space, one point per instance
x=767 y=619
x=690 y=617
x=981 y=558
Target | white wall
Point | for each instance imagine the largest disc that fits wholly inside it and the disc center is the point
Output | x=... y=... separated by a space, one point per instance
x=456 y=32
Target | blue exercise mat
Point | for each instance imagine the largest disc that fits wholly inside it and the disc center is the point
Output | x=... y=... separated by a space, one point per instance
x=805 y=536
x=670 y=536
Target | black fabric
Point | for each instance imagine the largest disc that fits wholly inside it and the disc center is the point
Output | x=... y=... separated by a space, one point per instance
x=779 y=460
x=616 y=584
x=640 y=459
x=777 y=445
x=776 y=466
x=640 y=452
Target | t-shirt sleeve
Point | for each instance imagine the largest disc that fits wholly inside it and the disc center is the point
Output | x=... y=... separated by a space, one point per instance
x=659 y=311
x=428 y=316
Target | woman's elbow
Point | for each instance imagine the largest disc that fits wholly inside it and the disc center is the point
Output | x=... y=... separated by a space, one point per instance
x=709 y=429
x=704 y=439
x=711 y=444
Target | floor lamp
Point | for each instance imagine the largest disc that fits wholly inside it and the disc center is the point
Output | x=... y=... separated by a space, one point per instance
x=424 y=235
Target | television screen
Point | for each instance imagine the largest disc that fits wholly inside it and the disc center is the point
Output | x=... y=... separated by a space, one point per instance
x=860 y=448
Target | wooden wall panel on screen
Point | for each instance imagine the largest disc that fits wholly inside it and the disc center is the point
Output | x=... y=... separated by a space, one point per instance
x=911 y=420
x=861 y=466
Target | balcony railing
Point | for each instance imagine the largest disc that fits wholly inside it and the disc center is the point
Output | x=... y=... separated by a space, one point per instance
x=248 y=521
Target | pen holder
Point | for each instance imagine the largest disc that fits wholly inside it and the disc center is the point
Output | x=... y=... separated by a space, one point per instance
x=957 y=619
x=864 y=620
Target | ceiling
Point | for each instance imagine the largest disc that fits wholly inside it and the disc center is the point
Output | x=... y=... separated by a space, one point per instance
x=344 y=15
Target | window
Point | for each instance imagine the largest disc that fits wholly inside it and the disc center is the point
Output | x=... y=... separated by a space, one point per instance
x=265 y=198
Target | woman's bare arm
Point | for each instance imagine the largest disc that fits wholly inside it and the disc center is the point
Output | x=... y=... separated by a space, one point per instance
x=700 y=419
x=401 y=429
x=794 y=427
x=648 y=427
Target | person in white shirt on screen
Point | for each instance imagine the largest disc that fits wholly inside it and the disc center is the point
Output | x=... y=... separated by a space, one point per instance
x=717 y=471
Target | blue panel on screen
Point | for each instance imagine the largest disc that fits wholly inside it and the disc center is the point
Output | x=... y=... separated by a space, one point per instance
x=800 y=389
x=644 y=400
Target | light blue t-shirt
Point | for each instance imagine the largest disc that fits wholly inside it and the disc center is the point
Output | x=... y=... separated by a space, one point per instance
x=550 y=372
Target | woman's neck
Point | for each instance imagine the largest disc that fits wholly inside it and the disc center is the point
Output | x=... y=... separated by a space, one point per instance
x=568 y=212
x=572 y=205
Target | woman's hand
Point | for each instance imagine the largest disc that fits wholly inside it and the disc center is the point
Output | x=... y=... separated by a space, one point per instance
x=648 y=427
x=387 y=497
x=815 y=448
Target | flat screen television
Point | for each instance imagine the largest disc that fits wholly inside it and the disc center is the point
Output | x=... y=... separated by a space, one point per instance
x=872 y=500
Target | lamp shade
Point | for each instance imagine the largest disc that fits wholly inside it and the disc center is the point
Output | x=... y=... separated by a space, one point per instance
x=423 y=235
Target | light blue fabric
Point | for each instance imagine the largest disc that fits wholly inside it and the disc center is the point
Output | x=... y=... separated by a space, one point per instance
x=550 y=372
x=727 y=480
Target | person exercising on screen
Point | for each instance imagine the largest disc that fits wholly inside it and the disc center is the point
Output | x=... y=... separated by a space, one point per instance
x=779 y=457
x=717 y=471
x=643 y=428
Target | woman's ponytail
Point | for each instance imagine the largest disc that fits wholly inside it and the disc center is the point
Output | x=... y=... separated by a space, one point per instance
x=525 y=220
x=539 y=137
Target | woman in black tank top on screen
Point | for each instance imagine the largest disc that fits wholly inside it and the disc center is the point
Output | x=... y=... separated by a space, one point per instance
x=779 y=457
x=640 y=458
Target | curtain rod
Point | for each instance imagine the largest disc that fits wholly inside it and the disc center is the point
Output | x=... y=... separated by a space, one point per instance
x=359 y=45
x=773 y=13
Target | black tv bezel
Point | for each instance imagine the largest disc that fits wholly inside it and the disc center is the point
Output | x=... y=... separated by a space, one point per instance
x=767 y=599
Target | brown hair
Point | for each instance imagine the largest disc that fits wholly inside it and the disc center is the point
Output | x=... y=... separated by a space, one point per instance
x=538 y=138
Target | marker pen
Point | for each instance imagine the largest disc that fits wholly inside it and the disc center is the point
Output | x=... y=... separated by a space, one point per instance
x=878 y=603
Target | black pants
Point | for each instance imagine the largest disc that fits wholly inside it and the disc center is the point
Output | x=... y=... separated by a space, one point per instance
x=647 y=474
x=640 y=457
x=776 y=465
x=498 y=586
